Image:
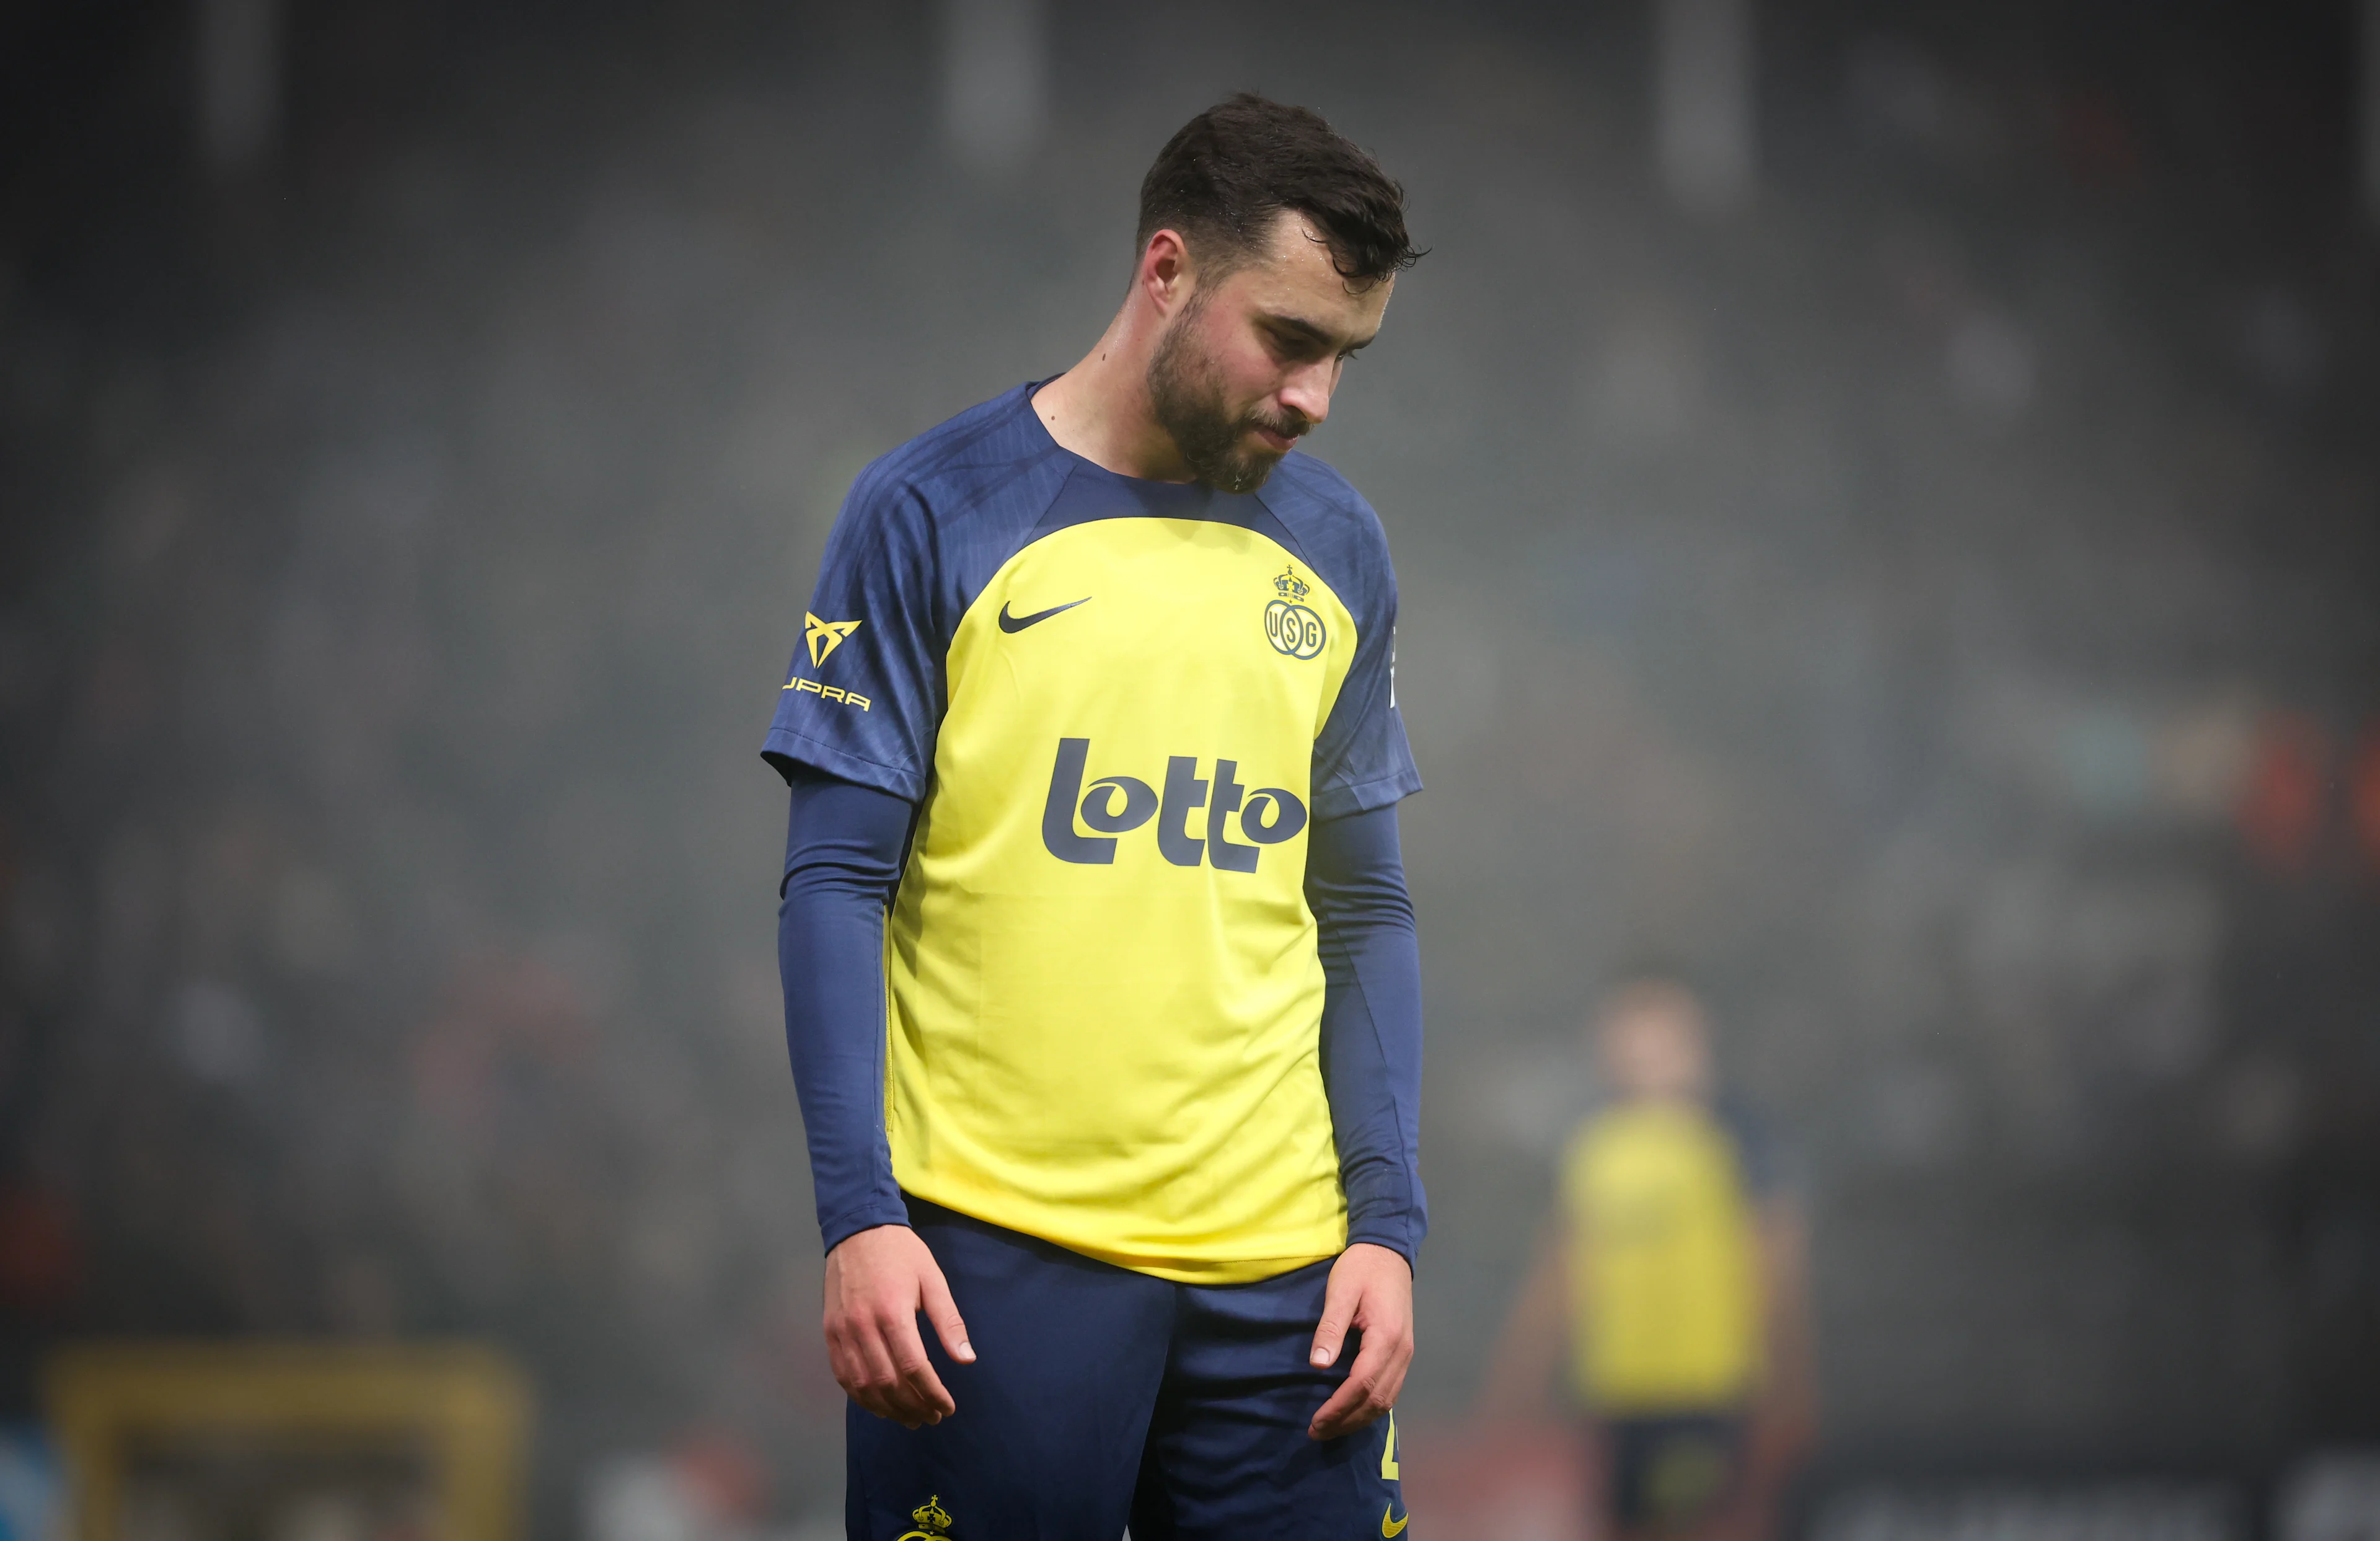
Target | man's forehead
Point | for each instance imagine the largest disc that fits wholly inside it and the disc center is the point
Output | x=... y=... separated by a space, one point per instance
x=1298 y=280
x=1295 y=247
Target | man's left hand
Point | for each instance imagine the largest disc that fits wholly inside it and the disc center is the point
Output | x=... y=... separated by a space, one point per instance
x=1371 y=1289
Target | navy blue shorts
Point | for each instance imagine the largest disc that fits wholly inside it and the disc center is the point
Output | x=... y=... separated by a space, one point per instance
x=1673 y=1472
x=1101 y=1398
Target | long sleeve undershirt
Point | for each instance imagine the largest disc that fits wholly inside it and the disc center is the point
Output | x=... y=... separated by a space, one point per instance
x=1371 y=1023
x=844 y=847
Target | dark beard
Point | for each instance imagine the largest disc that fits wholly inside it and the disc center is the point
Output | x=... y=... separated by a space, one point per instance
x=1188 y=403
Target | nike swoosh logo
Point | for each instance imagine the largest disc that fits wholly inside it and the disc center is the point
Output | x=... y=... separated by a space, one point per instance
x=1389 y=1528
x=1018 y=623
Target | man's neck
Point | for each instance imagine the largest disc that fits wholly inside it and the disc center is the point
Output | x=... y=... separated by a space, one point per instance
x=1100 y=409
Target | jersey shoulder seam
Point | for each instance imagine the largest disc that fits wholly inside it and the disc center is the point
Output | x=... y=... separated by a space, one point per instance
x=941 y=453
x=1321 y=482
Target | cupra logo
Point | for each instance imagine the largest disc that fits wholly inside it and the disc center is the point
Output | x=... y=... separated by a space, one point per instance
x=824 y=636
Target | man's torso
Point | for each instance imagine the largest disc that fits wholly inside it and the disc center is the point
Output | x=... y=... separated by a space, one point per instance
x=1103 y=988
x=1664 y=1261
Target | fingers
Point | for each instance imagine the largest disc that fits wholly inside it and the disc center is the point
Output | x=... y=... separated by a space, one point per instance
x=1339 y=1415
x=1371 y=1388
x=917 y=1389
x=1339 y=1302
x=880 y=1361
x=877 y=1282
x=864 y=1369
x=1371 y=1292
x=944 y=1312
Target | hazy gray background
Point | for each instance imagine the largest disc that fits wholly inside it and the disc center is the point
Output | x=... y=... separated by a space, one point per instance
x=1888 y=519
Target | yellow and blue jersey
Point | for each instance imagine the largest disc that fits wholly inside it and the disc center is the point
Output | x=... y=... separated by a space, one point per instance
x=1662 y=1203
x=1120 y=708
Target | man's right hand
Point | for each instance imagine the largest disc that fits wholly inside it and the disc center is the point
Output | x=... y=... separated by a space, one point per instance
x=877 y=1281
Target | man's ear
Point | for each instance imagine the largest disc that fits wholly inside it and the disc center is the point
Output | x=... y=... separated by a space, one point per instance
x=1165 y=272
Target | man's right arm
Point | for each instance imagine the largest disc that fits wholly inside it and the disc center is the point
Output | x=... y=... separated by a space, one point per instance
x=843 y=859
x=844 y=846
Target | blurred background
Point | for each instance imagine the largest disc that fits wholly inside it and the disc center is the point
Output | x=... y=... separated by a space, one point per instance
x=1887 y=499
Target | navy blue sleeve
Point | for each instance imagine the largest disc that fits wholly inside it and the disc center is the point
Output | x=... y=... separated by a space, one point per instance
x=844 y=849
x=863 y=699
x=1371 y=1023
x=1362 y=760
x=922 y=531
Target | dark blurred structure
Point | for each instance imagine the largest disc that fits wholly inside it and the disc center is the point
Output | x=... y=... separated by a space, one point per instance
x=211 y=1441
x=1887 y=502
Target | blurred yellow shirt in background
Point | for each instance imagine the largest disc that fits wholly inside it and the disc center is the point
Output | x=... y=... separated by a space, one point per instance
x=1664 y=1262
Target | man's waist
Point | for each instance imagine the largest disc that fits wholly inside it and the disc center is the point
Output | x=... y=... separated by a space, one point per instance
x=1257 y=1235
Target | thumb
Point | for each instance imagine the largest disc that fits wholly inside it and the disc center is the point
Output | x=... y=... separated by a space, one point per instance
x=944 y=1312
x=1339 y=1302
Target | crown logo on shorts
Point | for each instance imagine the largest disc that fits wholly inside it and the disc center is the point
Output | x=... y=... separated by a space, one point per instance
x=1290 y=586
x=930 y=1515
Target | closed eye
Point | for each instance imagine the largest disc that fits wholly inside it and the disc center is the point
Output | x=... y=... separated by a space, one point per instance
x=1294 y=340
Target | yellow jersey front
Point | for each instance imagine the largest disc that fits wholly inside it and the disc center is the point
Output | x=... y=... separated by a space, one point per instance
x=1119 y=705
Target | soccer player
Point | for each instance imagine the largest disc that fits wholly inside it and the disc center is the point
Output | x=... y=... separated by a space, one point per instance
x=1101 y=982
x=1677 y=1257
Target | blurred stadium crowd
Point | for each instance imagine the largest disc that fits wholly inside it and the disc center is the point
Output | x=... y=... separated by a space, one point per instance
x=1927 y=589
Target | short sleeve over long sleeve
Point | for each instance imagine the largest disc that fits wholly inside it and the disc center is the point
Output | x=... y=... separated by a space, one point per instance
x=864 y=695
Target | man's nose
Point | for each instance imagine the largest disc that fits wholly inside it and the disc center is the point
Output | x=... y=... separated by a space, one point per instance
x=1307 y=390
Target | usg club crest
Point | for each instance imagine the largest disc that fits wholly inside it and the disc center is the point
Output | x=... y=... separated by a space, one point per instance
x=933 y=1521
x=1290 y=626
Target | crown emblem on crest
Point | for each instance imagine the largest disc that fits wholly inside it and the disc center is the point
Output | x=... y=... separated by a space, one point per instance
x=930 y=1515
x=1290 y=586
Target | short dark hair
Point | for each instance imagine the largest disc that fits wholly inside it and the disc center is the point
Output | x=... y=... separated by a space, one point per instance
x=1224 y=177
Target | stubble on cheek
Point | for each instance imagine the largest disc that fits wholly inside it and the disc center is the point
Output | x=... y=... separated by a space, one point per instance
x=1185 y=391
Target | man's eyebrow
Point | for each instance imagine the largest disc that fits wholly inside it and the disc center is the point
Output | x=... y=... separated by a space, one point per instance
x=1314 y=334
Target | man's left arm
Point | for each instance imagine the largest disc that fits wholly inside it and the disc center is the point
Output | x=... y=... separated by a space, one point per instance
x=1371 y=1070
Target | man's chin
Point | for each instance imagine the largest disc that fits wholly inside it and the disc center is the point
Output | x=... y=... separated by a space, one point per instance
x=1244 y=472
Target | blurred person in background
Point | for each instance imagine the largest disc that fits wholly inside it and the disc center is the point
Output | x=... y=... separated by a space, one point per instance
x=1141 y=1142
x=1671 y=1288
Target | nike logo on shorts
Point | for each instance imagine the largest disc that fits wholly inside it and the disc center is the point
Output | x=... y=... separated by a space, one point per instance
x=1018 y=623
